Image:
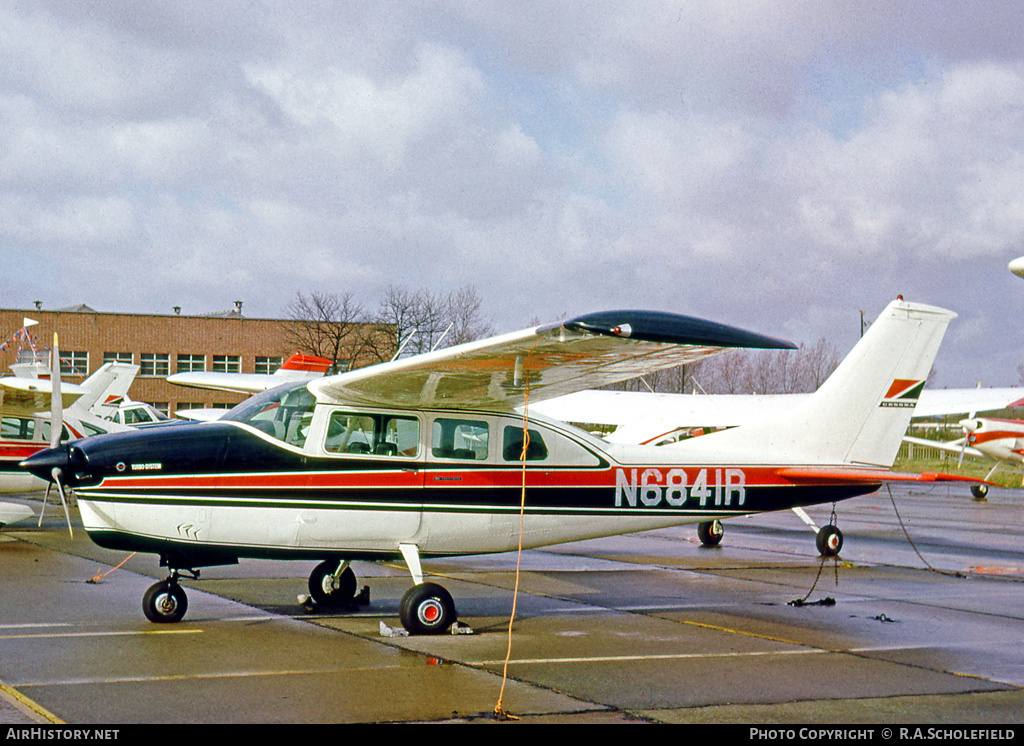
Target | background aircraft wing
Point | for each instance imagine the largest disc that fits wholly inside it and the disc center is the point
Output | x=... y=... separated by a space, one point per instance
x=239 y=383
x=297 y=367
x=938 y=402
x=548 y=361
x=26 y=396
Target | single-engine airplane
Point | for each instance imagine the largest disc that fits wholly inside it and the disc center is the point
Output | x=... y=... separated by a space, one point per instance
x=426 y=456
x=26 y=408
x=987 y=438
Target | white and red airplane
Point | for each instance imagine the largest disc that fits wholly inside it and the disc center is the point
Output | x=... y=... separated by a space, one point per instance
x=427 y=456
x=26 y=409
x=987 y=438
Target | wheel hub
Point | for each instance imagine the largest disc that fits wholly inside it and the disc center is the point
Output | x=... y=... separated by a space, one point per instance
x=430 y=611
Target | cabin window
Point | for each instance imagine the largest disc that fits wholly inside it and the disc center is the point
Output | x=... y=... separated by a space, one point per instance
x=512 y=445
x=373 y=434
x=44 y=428
x=459 y=439
x=17 y=428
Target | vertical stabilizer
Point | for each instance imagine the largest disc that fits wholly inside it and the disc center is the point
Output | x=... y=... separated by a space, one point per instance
x=107 y=387
x=861 y=413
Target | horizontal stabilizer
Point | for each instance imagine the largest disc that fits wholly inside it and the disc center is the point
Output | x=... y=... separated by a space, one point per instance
x=842 y=475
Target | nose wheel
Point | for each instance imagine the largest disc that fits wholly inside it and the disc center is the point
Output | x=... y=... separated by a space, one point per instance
x=165 y=602
x=332 y=584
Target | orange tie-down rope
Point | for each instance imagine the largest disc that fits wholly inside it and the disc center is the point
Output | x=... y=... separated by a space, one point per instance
x=499 y=711
x=100 y=576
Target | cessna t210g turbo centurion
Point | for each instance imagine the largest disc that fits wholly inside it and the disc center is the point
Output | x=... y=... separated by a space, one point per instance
x=437 y=455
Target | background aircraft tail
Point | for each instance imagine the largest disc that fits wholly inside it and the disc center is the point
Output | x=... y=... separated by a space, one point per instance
x=861 y=413
x=107 y=387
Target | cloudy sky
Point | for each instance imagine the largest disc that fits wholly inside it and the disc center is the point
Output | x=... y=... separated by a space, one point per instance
x=780 y=166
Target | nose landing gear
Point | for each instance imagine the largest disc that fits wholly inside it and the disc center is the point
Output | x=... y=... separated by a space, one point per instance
x=165 y=602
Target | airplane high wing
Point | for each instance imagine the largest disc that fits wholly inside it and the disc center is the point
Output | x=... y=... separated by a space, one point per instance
x=547 y=361
x=427 y=456
x=28 y=395
x=298 y=367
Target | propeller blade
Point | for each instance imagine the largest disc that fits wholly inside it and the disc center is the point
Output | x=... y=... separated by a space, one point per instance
x=969 y=426
x=63 y=500
x=56 y=402
x=56 y=428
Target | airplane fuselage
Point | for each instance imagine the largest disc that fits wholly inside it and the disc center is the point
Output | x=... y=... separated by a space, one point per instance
x=357 y=483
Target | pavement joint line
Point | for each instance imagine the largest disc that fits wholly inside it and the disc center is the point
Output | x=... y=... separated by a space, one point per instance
x=655 y=657
x=697 y=656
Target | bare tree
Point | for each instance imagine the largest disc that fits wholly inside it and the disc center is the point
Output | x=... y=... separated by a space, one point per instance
x=334 y=326
x=468 y=323
x=422 y=320
x=745 y=372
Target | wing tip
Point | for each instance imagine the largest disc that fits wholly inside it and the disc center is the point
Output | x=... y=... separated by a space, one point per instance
x=671 y=328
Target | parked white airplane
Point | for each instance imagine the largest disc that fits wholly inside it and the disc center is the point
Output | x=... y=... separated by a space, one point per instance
x=26 y=407
x=427 y=456
x=987 y=438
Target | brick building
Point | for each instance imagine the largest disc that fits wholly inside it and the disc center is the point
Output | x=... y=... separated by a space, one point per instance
x=160 y=344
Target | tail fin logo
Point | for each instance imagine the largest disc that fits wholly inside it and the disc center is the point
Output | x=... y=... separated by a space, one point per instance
x=903 y=393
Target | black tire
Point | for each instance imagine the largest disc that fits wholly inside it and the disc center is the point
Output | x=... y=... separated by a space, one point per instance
x=979 y=491
x=710 y=533
x=165 y=602
x=829 y=541
x=323 y=589
x=427 y=609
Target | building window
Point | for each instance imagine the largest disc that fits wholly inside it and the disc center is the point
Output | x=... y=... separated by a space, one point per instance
x=154 y=364
x=74 y=363
x=190 y=363
x=268 y=365
x=227 y=363
x=118 y=357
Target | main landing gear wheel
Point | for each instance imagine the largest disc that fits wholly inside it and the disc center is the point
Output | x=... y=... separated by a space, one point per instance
x=328 y=592
x=427 y=609
x=710 y=533
x=165 y=602
x=829 y=541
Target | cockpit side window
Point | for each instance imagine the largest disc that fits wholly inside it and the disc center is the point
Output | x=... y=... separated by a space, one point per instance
x=284 y=413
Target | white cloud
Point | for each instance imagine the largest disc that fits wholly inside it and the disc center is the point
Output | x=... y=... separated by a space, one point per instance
x=786 y=164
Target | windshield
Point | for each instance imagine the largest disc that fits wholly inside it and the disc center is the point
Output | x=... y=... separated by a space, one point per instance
x=283 y=412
